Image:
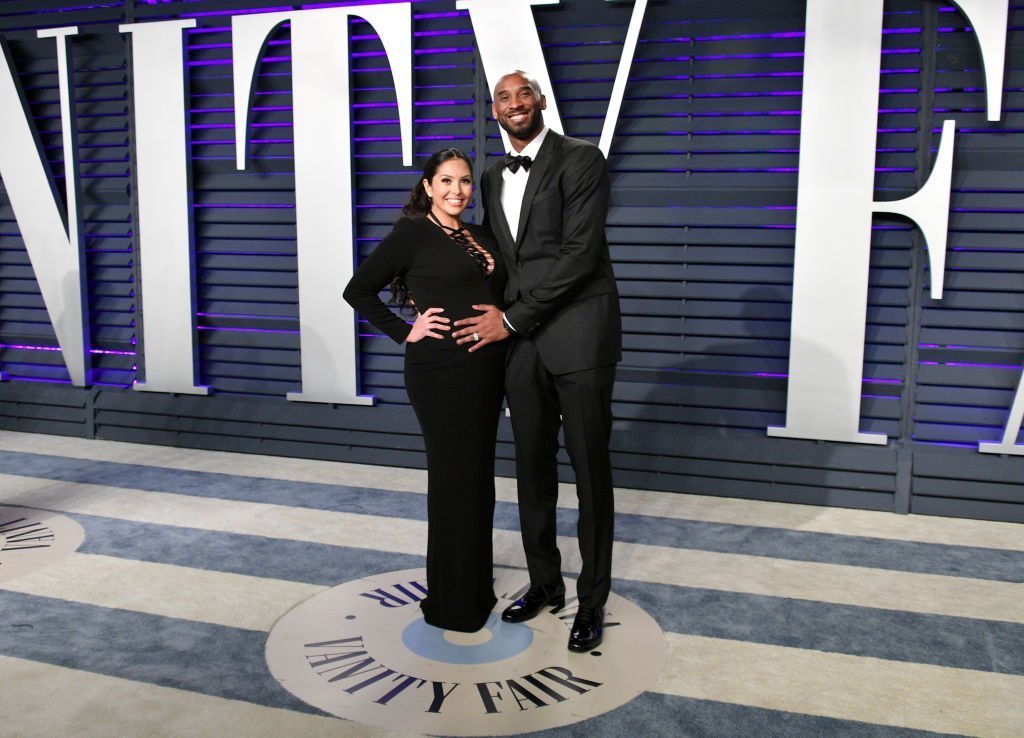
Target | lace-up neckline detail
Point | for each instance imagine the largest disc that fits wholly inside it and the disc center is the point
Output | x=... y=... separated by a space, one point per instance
x=464 y=239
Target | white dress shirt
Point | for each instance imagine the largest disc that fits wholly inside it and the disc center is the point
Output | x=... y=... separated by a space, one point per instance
x=514 y=184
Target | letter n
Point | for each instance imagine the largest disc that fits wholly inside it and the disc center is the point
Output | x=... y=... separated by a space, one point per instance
x=54 y=248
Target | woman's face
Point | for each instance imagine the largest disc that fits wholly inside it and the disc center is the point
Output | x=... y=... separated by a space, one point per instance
x=451 y=188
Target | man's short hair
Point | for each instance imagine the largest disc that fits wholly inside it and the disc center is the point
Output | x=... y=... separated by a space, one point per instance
x=530 y=80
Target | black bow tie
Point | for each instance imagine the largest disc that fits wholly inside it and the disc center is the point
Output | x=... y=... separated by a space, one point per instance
x=514 y=162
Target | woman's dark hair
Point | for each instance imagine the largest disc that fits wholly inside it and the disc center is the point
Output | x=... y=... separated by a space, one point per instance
x=419 y=204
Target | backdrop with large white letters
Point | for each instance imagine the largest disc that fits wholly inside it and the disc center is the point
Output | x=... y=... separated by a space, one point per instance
x=326 y=113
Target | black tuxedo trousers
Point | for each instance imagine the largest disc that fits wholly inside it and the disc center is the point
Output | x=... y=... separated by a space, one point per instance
x=580 y=402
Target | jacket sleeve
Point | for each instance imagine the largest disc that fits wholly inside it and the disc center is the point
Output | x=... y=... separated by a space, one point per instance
x=585 y=193
x=389 y=259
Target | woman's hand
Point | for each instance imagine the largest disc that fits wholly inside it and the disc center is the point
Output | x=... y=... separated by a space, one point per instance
x=427 y=324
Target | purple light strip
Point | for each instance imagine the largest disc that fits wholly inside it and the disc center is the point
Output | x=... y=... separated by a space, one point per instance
x=782 y=34
x=961 y=347
x=349 y=3
x=242 y=316
x=239 y=206
x=98 y=352
x=747 y=36
x=247 y=330
x=90 y=6
x=249 y=11
x=740 y=75
x=23 y=347
x=111 y=352
x=971 y=365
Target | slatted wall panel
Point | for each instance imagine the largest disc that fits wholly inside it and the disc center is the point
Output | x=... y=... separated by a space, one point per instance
x=248 y=319
x=701 y=226
x=972 y=341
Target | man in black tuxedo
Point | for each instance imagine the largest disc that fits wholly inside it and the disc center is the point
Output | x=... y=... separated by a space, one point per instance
x=546 y=203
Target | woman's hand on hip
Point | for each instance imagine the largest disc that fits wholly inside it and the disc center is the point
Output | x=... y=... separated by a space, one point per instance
x=427 y=324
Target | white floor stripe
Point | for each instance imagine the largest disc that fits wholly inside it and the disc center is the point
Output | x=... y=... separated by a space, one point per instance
x=809 y=518
x=918 y=696
x=832 y=583
x=45 y=701
x=233 y=600
x=849 y=585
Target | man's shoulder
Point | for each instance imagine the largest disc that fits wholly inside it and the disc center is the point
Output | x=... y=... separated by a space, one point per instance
x=581 y=146
x=568 y=149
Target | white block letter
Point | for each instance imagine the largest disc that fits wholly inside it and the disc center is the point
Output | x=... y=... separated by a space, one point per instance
x=162 y=157
x=835 y=206
x=323 y=171
x=54 y=250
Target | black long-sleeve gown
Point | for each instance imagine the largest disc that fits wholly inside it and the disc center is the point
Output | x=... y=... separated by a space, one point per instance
x=457 y=397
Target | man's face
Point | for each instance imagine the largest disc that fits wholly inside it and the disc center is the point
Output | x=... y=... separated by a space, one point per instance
x=517 y=108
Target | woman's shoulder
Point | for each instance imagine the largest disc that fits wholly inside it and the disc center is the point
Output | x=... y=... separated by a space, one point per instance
x=408 y=221
x=407 y=227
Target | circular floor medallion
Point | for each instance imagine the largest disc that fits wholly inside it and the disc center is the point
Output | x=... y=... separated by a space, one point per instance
x=31 y=539
x=362 y=651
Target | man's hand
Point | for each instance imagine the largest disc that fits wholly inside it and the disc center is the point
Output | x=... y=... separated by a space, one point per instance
x=482 y=329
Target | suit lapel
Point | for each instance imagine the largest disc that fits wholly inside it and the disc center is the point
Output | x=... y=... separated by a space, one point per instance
x=499 y=221
x=538 y=170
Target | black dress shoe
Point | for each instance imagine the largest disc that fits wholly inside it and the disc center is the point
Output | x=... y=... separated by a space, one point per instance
x=530 y=604
x=587 y=629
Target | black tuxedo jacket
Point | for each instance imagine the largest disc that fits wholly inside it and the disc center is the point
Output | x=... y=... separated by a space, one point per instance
x=561 y=290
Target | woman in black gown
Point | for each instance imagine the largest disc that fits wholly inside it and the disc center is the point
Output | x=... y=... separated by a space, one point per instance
x=442 y=267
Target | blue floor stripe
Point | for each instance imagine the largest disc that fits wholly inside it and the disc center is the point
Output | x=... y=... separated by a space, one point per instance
x=271 y=558
x=890 y=634
x=874 y=553
x=229 y=662
x=198 y=657
x=961 y=561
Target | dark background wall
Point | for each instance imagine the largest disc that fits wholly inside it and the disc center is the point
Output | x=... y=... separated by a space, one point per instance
x=704 y=169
